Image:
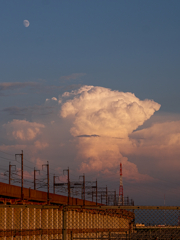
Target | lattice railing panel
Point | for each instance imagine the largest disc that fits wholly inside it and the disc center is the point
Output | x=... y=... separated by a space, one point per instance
x=82 y=222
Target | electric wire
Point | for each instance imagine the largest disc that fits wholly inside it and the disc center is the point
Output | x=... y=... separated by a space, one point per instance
x=7 y=153
x=7 y=158
x=134 y=187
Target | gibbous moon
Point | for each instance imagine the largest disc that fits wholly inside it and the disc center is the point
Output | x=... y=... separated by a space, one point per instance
x=26 y=23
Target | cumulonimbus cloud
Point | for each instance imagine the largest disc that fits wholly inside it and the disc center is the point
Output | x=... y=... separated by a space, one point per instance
x=112 y=115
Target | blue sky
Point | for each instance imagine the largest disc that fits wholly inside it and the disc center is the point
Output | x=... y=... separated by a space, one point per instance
x=127 y=46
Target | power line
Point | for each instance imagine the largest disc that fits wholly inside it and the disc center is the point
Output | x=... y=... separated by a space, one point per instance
x=171 y=188
x=7 y=158
x=7 y=153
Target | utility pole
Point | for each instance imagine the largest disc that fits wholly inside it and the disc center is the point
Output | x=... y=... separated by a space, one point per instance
x=68 y=183
x=22 y=180
x=10 y=166
x=35 y=177
x=47 y=166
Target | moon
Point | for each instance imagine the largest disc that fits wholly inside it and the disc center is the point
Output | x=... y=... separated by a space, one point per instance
x=26 y=23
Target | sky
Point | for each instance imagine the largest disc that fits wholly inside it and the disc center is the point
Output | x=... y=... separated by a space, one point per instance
x=90 y=84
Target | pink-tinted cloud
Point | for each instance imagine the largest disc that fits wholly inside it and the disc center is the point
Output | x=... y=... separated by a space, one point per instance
x=160 y=143
x=159 y=134
x=41 y=145
x=28 y=175
x=23 y=130
x=98 y=129
x=103 y=156
x=39 y=162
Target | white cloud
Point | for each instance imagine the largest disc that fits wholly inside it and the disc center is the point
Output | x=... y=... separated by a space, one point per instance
x=54 y=98
x=78 y=91
x=104 y=112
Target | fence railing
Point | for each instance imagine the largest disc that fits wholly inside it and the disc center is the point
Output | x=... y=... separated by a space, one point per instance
x=126 y=222
x=89 y=222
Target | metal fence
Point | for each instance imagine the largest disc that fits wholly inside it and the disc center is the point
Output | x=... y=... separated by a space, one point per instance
x=125 y=222
x=28 y=222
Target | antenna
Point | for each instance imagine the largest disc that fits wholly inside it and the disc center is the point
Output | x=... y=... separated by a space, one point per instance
x=121 y=195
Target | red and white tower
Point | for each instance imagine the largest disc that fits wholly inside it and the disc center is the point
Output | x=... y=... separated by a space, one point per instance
x=121 y=195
